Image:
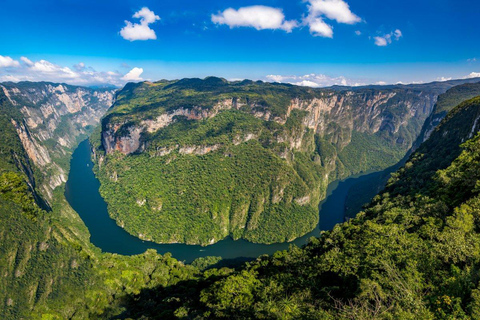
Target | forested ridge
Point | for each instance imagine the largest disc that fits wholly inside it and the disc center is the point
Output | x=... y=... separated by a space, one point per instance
x=363 y=193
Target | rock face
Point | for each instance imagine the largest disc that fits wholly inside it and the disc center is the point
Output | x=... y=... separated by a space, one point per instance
x=235 y=158
x=333 y=114
x=55 y=118
x=447 y=102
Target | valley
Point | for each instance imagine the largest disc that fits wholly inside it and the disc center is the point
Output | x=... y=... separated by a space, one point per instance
x=108 y=284
x=239 y=160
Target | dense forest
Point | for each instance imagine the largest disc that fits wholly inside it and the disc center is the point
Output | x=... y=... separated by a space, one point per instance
x=194 y=161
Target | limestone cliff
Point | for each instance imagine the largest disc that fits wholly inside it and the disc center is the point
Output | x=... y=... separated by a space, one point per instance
x=447 y=102
x=334 y=115
x=55 y=118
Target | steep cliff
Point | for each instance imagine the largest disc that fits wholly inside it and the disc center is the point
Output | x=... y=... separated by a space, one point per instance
x=197 y=160
x=363 y=192
x=447 y=102
x=54 y=118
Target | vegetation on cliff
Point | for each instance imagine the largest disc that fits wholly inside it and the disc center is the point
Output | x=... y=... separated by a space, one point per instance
x=194 y=161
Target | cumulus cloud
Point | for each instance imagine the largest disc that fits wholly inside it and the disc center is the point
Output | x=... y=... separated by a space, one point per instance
x=358 y=33
x=26 y=61
x=7 y=62
x=263 y=17
x=79 y=66
x=142 y=30
x=473 y=75
x=337 y=10
x=80 y=74
x=133 y=75
x=258 y=17
x=381 y=41
x=397 y=34
x=319 y=28
x=313 y=80
x=319 y=10
x=386 y=39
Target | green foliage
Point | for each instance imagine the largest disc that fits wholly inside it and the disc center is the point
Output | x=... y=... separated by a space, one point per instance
x=413 y=253
x=439 y=150
x=223 y=171
x=49 y=268
x=248 y=194
x=367 y=152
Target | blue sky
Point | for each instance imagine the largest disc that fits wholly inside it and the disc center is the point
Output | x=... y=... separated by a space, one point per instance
x=311 y=42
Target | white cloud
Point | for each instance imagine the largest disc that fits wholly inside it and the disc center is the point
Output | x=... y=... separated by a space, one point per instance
x=263 y=17
x=472 y=60
x=146 y=16
x=473 y=75
x=358 y=33
x=11 y=78
x=398 y=34
x=133 y=75
x=80 y=74
x=386 y=39
x=6 y=62
x=381 y=41
x=26 y=61
x=337 y=10
x=258 y=17
x=79 y=66
x=319 y=28
x=313 y=80
x=142 y=30
x=319 y=10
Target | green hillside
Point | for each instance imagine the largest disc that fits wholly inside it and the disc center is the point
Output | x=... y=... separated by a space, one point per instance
x=358 y=196
x=194 y=161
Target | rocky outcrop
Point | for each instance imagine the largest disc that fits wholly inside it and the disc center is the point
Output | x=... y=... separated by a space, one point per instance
x=36 y=152
x=55 y=118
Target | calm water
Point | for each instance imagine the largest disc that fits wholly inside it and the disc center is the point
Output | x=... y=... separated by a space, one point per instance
x=82 y=193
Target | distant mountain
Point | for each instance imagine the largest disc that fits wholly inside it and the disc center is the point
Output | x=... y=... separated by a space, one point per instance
x=445 y=103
